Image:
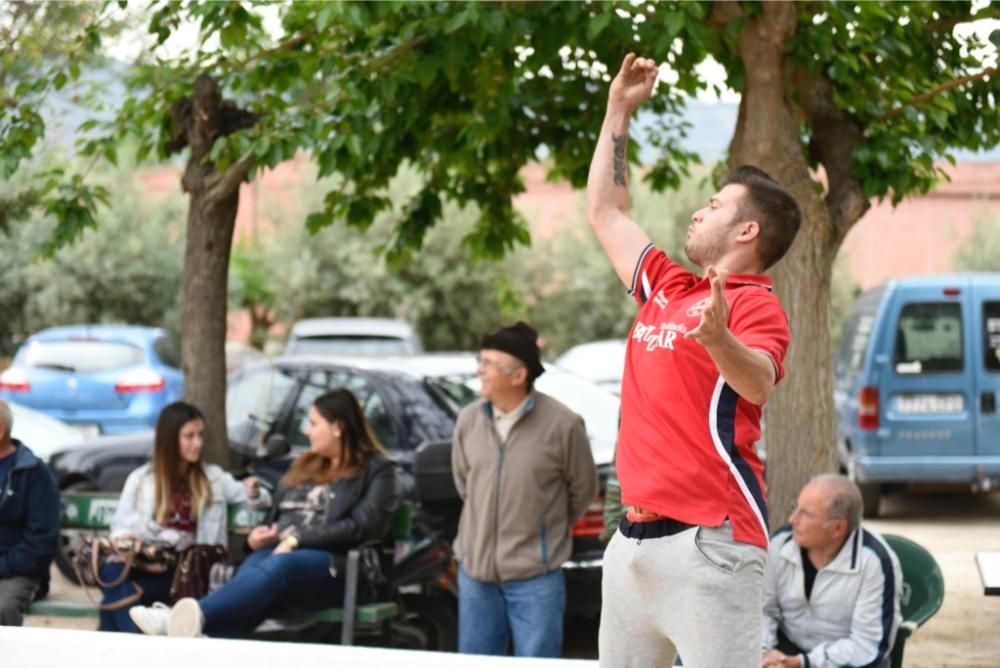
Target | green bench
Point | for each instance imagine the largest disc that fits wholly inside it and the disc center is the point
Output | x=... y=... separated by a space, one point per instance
x=90 y=513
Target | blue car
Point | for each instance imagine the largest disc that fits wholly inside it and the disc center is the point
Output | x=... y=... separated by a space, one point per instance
x=98 y=378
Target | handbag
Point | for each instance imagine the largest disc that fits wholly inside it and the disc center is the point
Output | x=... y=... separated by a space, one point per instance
x=194 y=568
x=144 y=557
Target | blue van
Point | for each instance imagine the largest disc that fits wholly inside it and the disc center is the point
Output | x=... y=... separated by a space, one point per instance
x=916 y=379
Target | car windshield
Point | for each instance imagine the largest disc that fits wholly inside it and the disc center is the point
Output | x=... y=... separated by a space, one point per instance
x=81 y=355
x=43 y=434
x=371 y=346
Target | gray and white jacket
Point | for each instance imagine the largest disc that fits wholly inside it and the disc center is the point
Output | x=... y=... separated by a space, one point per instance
x=853 y=613
x=135 y=511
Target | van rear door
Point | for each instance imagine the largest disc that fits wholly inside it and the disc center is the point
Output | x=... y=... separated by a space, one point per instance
x=927 y=395
x=986 y=319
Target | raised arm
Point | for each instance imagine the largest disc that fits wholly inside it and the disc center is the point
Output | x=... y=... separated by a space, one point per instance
x=607 y=184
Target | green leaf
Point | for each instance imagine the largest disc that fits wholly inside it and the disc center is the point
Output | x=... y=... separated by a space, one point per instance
x=674 y=22
x=325 y=16
x=456 y=22
x=597 y=25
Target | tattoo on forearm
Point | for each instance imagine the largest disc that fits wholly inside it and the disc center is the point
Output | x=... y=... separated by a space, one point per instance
x=621 y=144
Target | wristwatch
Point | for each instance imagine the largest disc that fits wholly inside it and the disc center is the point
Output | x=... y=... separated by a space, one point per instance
x=292 y=540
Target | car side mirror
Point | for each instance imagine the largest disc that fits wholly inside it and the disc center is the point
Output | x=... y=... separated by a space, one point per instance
x=276 y=446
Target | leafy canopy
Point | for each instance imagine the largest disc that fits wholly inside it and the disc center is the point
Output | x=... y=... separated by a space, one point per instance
x=467 y=93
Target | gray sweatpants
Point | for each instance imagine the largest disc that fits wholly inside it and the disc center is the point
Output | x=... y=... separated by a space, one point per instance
x=697 y=593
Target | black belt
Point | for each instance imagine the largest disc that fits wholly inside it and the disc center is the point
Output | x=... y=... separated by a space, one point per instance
x=653 y=528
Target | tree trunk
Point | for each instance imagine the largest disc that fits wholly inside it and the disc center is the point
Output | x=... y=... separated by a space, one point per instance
x=801 y=427
x=210 y=226
x=214 y=198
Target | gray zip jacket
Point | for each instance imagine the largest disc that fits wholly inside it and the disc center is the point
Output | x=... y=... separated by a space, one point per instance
x=853 y=614
x=521 y=496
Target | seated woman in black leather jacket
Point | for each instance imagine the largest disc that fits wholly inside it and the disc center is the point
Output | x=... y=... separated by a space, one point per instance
x=338 y=495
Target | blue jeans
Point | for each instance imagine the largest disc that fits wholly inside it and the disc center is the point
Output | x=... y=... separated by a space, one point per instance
x=298 y=580
x=154 y=588
x=532 y=610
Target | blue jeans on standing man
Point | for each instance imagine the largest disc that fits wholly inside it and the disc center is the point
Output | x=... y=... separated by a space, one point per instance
x=532 y=609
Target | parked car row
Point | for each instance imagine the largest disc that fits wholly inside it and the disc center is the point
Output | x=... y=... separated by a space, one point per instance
x=409 y=401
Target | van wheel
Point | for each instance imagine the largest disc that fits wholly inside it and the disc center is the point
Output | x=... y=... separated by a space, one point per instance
x=870 y=496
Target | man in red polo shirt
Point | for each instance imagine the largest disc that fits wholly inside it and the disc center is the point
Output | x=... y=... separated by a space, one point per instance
x=683 y=573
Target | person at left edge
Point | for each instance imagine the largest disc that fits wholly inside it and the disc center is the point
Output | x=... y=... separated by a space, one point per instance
x=29 y=524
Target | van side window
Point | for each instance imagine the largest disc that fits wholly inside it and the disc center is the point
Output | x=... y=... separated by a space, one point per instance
x=991 y=336
x=929 y=338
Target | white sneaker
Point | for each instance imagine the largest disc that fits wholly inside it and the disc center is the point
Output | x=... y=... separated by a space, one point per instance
x=152 y=620
x=186 y=620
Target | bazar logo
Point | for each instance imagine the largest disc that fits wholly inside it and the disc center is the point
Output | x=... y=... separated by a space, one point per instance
x=657 y=336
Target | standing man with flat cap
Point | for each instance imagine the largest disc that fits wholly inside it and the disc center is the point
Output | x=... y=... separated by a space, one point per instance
x=523 y=467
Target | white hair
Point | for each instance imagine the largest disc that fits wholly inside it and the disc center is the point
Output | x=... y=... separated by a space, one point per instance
x=845 y=499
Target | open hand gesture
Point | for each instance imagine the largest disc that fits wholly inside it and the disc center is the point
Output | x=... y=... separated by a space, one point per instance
x=715 y=318
x=634 y=82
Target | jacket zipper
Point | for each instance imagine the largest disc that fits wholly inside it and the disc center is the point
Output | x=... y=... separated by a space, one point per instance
x=496 y=517
x=7 y=483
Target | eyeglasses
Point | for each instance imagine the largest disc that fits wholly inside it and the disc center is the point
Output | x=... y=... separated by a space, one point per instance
x=493 y=364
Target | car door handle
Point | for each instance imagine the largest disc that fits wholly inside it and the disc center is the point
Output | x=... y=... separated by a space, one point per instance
x=987 y=403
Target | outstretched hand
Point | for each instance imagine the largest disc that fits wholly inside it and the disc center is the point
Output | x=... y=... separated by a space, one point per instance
x=634 y=82
x=715 y=318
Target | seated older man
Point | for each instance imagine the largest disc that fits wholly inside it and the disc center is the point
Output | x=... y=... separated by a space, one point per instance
x=831 y=587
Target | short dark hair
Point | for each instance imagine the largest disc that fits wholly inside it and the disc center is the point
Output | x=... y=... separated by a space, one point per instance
x=773 y=207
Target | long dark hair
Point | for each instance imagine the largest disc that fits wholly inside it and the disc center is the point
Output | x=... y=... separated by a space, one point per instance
x=359 y=442
x=167 y=462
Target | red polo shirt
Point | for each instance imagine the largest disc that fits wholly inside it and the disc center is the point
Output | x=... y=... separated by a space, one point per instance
x=686 y=445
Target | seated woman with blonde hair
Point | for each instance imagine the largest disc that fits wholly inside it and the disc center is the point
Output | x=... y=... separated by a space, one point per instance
x=338 y=495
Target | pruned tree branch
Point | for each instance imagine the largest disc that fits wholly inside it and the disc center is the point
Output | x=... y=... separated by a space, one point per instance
x=833 y=139
x=934 y=92
x=198 y=121
x=229 y=181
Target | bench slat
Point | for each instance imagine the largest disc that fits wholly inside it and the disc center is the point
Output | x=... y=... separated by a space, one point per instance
x=372 y=613
x=55 y=607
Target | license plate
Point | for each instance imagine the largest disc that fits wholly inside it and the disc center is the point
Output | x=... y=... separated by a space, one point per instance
x=87 y=431
x=928 y=404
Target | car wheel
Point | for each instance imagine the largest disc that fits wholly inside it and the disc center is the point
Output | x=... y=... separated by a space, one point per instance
x=71 y=539
x=436 y=617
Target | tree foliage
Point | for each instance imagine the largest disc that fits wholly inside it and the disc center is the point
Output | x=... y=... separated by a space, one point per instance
x=562 y=284
x=980 y=250
x=466 y=93
x=127 y=270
